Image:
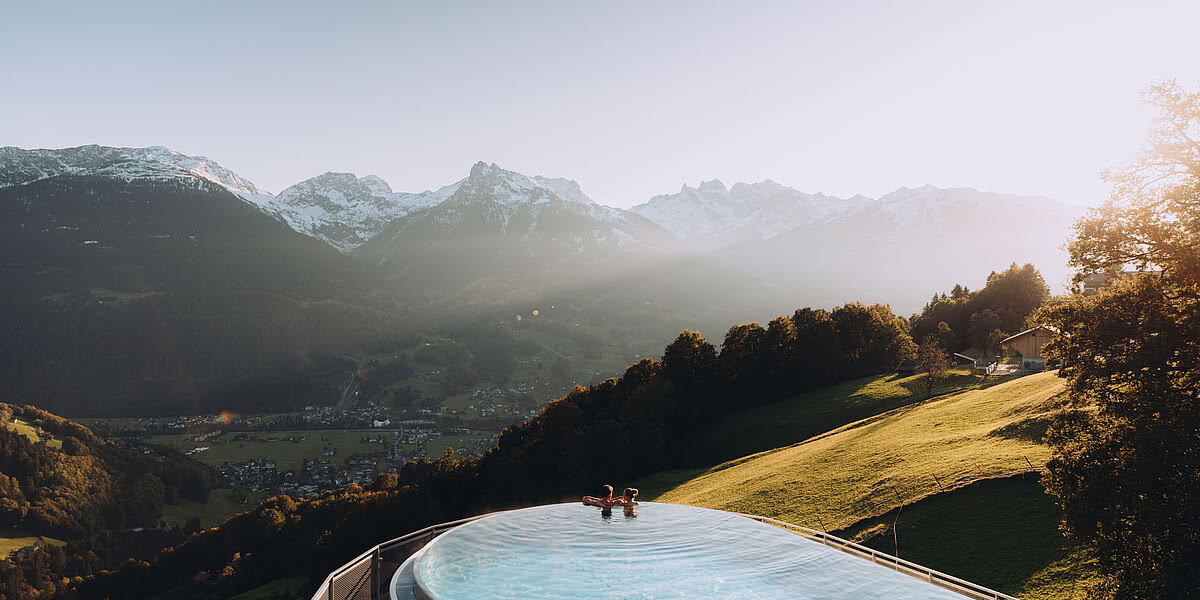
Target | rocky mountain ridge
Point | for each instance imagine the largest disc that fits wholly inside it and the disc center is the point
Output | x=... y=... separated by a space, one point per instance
x=346 y=211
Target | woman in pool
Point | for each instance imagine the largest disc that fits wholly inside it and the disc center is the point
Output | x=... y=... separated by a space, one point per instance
x=606 y=501
x=628 y=499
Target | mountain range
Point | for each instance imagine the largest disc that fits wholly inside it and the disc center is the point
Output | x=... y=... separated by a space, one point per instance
x=346 y=211
x=164 y=280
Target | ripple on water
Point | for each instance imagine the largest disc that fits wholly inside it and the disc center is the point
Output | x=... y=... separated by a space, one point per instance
x=569 y=551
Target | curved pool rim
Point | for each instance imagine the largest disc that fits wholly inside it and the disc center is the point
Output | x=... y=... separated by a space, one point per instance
x=425 y=589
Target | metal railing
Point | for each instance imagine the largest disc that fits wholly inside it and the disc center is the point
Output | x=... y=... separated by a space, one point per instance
x=896 y=563
x=367 y=576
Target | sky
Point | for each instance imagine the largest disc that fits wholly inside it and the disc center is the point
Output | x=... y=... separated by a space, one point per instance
x=629 y=99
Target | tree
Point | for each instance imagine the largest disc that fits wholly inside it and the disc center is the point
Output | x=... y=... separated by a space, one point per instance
x=743 y=356
x=690 y=365
x=1010 y=295
x=689 y=358
x=872 y=339
x=933 y=363
x=945 y=335
x=983 y=323
x=1126 y=472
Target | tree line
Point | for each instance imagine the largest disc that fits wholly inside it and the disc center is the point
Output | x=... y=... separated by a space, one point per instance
x=965 y=319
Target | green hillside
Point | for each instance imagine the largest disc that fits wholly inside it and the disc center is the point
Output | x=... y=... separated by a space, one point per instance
x=821 y=410
x=929 y=457
x=872 y=465
x=1001 y=533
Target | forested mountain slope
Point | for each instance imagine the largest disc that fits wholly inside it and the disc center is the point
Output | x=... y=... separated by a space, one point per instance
x=82 y=485
x=161 y=296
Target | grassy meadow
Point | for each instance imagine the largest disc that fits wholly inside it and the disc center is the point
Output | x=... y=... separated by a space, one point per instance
x=288 y=455
x=30 y=432
x=1001 y=533
x=15 y=539
x=872 y=465
x=947 y=461
x=808 y=414
x=217 y=510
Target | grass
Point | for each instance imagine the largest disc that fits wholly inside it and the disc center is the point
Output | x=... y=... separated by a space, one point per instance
x=873 y=465
x=287 y=455
x=291 y=455
x=806 y=415
x=29 y=431
x=948 y=461
x=1000 y=533
x=1068 y=578
x=288 y=588
x=435 y=448
x=217 y=510
x=15 y=539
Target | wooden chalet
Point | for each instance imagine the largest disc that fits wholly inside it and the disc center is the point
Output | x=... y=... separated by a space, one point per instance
x=1029 y=345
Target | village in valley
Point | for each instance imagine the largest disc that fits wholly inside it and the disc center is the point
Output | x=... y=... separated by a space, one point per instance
x=393 y=408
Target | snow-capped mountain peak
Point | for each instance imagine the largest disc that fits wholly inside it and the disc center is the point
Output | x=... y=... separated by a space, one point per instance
x=538 y=214
x=712 y=215
x=567 y=189
x=346 y=210
x=375 y=184
x=18 y=166
x=509 y=188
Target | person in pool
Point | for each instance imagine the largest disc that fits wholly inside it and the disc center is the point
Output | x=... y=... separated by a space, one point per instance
x=628 y=497
x=628 y=500
x=606 y=501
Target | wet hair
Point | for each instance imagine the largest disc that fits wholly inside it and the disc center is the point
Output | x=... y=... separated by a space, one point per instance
x=606 y=491
x=630 y=493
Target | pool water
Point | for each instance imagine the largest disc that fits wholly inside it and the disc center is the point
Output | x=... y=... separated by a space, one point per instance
x=571 y=551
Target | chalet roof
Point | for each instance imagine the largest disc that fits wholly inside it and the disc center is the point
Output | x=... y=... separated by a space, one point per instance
x=1049 y=328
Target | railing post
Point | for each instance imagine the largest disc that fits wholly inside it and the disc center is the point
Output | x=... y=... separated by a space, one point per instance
x=376 y=567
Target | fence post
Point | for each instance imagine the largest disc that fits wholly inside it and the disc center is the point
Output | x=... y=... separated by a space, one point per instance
x=896 y=523
x=332 y=580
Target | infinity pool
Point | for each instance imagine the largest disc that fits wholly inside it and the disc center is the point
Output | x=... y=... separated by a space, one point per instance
x=570 y=551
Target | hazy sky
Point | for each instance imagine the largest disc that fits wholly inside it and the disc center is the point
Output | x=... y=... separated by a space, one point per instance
x=630 y=99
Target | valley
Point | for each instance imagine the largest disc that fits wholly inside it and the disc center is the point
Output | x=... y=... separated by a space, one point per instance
x=548 y=301
x=342 y=343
